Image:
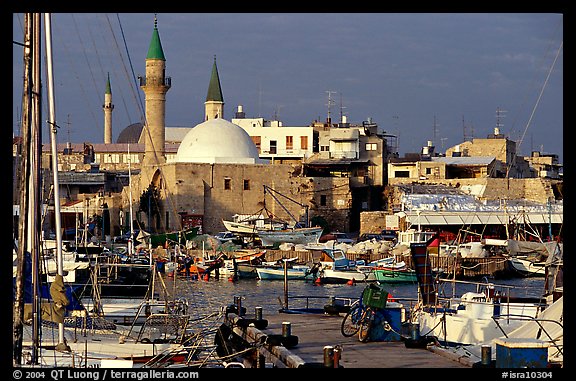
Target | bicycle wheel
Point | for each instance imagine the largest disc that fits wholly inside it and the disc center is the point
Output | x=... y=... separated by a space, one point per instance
x=365 y=324
x=349 y=326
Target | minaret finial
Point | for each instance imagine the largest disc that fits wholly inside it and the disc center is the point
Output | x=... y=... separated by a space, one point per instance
x=155 y=21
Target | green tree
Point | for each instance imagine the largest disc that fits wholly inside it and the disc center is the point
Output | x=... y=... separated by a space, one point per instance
x=150 y=203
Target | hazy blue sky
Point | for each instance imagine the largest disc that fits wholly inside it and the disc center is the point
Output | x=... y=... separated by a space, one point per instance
x=403 y=70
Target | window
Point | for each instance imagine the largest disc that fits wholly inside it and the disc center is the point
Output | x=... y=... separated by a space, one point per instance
x=273 y=144
x=428 y=171
x=227 y=183
x=246 y=184
x=371 y=146
x=257 y=142
x=303 y=142
x=289 y=142
x=323 y=200
x=401 y=173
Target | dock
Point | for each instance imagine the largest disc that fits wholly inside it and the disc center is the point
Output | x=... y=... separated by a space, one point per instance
x=315 y=334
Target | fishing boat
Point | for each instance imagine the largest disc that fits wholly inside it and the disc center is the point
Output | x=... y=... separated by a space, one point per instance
x=251 y=223
x=397 y=272
x=526 y=267
x=488 y=312
x=283 y=269
x=295 y=235
x=300 y=232
x=175 y=237
x=243 y=265
x=334 y=267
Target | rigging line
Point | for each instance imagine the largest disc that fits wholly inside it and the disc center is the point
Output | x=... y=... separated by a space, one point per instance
x=97 y=52
x=72 y=64
x=539 y=97
x=118 y=88
x=136 y=95
x=542 y=91
x=97 y=90
x=138 y=100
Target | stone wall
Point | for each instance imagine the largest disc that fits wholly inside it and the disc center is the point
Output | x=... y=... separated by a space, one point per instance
x=201 y=189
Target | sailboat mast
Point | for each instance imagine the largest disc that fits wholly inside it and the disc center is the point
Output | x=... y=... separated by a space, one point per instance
x=130 y=242
x=27 y=218
x=53 y=132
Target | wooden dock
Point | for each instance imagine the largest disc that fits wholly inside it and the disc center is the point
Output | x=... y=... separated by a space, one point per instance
x=316 y=331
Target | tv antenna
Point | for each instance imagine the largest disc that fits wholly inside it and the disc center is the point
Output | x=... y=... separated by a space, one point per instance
x=329 y=104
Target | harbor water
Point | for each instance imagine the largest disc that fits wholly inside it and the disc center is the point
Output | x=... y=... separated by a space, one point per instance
x=208 y=296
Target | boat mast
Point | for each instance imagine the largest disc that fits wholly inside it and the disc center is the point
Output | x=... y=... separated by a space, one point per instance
x=56 y=187
x=130 y=242
x=29 y=216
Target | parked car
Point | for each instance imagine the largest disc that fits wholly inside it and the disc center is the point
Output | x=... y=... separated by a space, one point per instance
x=370 y=237
x=338 y=237
x=389 y=235
x=226 y=236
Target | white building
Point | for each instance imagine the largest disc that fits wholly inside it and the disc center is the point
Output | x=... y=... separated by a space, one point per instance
x=274 y=141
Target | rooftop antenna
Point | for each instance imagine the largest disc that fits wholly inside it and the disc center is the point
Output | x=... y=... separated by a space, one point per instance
x=341 y=109
x=329 y=104
x=498 y=123
x=260 y=100
x=68 y=127
x=466 y=137
x=442 y=140
x=434 y=130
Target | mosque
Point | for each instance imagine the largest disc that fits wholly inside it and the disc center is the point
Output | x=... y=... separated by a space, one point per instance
x=216 y=171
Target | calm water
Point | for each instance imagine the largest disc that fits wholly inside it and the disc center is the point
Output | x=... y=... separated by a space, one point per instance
x=206 y=297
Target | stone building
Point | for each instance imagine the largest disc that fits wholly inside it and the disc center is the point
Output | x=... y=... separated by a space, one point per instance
x=216 y=171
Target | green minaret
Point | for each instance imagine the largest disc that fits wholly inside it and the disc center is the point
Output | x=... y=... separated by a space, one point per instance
x=214 y=105
x=108 y=107
x=155 y=87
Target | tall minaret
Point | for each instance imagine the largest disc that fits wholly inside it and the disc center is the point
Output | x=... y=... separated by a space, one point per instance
x=214 y=105
x=108 y=107
x=155 y=87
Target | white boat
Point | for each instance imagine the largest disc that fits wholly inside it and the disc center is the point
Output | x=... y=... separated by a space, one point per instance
x=296 y=236
x=277 y=272
x=488 y=312
x=475 y=317
x=251 y=223
x=526 y=267
x=334 y=267
x=243 y=265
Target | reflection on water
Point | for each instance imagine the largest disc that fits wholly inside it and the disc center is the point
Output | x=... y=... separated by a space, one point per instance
x=206 y=297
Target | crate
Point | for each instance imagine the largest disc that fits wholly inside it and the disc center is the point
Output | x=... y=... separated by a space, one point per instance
x=374 y=296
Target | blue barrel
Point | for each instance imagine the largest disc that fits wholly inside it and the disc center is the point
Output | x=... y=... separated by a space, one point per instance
x=389 y=317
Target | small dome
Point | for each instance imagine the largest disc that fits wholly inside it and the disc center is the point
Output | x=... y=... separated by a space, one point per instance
x=217 y=141
x=130 y=134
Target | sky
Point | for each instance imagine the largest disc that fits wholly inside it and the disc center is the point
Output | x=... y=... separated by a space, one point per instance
x=440 y=77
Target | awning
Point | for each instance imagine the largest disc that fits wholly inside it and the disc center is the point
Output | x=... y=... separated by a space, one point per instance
x=480 y=218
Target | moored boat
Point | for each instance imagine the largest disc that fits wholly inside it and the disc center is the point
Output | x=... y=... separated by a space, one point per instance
x=296 y=236
x=283 y=269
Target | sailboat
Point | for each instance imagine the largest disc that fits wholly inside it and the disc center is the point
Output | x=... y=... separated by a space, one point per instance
x=298 y=234
x=81 y=339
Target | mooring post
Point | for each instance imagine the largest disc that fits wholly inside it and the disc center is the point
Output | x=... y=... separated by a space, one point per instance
x=286 y=329
x=337 y=356
x=329 y=356
x=486 y=354
x=258 y=313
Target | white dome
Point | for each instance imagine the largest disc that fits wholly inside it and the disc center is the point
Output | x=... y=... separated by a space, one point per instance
x=217 y=141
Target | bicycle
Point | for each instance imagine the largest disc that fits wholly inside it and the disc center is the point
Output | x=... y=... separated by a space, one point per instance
x=360 y=316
